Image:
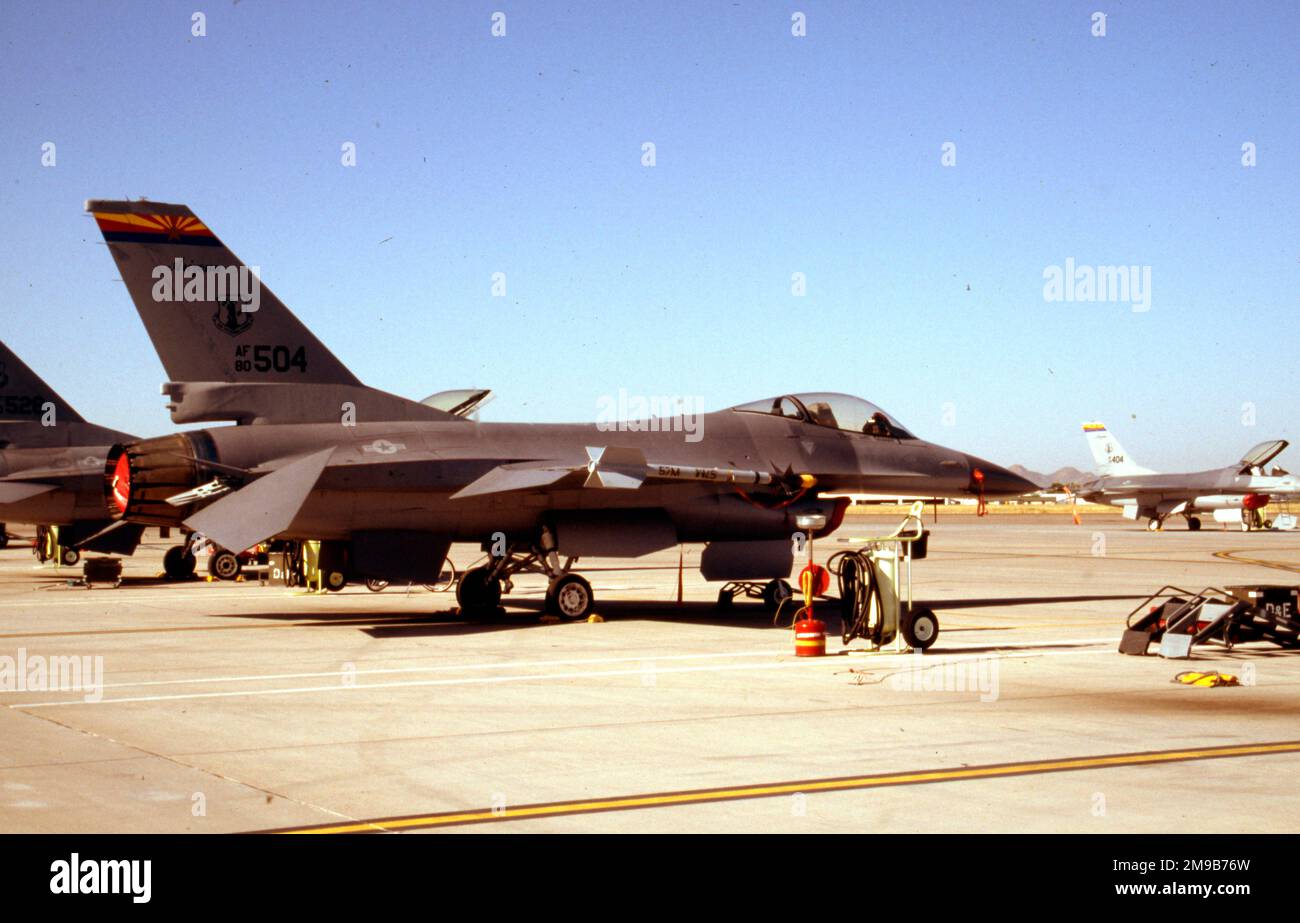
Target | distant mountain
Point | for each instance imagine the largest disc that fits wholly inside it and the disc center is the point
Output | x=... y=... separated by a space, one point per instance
x=1066 y=475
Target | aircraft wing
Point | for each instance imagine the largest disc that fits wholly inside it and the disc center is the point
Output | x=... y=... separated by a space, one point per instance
x=17 y=491
x=516 y=476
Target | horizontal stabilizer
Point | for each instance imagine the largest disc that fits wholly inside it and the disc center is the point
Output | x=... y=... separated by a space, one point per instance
x=264 y=508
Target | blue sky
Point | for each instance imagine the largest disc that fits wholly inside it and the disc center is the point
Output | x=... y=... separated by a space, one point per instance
x=775 y=154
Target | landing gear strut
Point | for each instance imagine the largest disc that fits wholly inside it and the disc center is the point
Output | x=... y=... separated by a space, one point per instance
x=568 y=595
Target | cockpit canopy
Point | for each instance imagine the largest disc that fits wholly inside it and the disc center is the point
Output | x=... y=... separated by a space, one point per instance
x=836 y=411
x=1262 y=454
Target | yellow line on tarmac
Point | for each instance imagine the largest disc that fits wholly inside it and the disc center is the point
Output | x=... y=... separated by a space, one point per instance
x=738 y=793
x=1236 y=557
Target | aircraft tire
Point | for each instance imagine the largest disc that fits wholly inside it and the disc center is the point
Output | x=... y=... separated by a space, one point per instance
x=1154 y=525
x=376 y=584
x=4 y=536
x=1193 y=523
x=570 y=598
x=476 y=591
x=224 y=565
x=178 y=564
x=920 y=627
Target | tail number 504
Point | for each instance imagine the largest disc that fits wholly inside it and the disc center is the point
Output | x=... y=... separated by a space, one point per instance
x=266 y=358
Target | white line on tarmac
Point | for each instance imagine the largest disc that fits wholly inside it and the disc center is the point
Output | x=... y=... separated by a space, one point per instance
x=649 y=669
x=440 y=668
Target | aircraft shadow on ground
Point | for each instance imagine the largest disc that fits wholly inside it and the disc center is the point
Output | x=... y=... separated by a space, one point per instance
x=440 y=621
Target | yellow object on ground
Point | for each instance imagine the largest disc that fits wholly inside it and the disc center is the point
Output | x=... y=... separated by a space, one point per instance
x=1211 y=679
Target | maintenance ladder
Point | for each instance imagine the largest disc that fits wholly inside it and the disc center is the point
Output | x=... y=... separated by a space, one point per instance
x=1229 y=616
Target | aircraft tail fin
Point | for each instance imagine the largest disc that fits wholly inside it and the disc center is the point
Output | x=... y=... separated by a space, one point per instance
x=1108 y=453
x=209 y=316
x=25 y=396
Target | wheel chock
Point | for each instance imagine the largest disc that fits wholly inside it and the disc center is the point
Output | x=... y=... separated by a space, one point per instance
x=594 y=619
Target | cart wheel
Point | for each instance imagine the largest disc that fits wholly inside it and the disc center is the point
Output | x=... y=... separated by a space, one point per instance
x=776 y=592
x=224 y=565
x=725 y=598
x=920 y=627
x=335 y=580
x=446 y=579
x=69 y=556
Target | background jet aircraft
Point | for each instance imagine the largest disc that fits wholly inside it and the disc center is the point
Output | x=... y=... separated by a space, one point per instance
x=388 y=496
x=1143 y=492
x=52 y=465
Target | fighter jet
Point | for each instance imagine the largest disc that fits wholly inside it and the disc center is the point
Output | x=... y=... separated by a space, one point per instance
x=387 y=497
x=1144 y=493
x=52 y=466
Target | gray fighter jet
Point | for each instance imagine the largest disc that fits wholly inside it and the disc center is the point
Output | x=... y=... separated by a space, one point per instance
x=387 y=494
x=1142 y=492
x=52 y=466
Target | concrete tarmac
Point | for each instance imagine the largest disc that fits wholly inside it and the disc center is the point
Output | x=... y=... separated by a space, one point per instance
x=227 y=707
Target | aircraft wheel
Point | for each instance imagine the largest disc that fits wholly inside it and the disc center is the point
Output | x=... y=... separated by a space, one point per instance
x=224 y=565
x=1154 y=525
x=776 y=592
x=571 y=598
x=1268 y=524
x=1245 y=526
x=4 y=536
x=920 y=627
x=376 y=585
x=725 y=599
x=476 y=590
x=178 y=564
x=69 y=556
x=1193 y=523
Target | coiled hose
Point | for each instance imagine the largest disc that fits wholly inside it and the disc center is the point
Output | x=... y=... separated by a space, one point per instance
x=860 y=606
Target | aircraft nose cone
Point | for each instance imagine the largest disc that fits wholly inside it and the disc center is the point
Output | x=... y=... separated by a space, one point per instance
x=998 y=481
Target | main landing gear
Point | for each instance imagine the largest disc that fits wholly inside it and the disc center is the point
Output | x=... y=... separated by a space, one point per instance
x=568 y=595
x=179 y=561
x=1157 y=523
